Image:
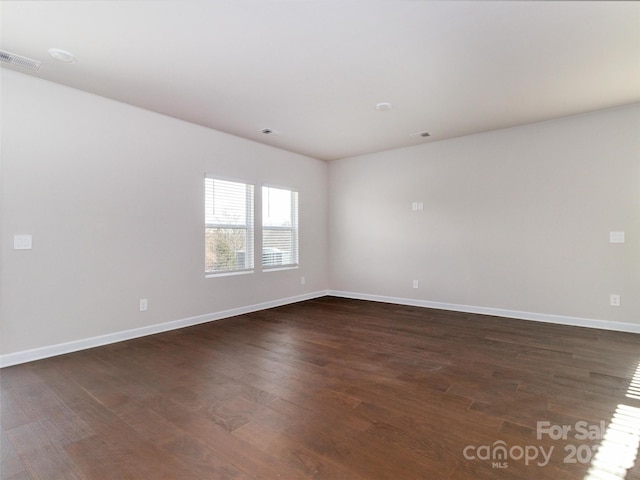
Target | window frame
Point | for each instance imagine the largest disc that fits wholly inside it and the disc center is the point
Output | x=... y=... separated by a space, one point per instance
x=294 y=229
x=248 y=226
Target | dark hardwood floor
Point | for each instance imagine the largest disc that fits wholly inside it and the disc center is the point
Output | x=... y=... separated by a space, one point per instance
x=332 y=389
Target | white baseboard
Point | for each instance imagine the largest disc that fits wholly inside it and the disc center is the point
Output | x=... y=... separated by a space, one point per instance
x=25 y=356
x=62 y=348
x=497 y=312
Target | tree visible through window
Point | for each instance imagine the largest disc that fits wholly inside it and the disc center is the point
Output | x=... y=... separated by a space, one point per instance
x=228 y=226
x=279 y=227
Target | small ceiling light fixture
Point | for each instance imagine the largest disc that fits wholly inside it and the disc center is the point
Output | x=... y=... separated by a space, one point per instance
x=62 y=55
x=384 y=107
x=269 y=131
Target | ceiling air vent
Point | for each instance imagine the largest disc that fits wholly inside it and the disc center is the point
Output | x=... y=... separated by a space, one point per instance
x=24 y=62
x=421 y=134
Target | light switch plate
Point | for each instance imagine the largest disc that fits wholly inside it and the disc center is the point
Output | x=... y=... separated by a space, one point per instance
x=616 y=237
x=22 y=242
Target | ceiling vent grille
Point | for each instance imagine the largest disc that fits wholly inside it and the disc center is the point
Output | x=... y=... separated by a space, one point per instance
x=24 y=62
x=421 y=134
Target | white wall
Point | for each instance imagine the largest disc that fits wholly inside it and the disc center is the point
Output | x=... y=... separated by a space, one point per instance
x=514 y=221
x=113 y=196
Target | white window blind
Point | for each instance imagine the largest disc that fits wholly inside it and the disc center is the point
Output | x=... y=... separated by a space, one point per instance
x=228 y=226
x=279 y=227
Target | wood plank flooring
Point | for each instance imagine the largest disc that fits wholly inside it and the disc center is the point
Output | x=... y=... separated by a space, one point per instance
x=329 y=389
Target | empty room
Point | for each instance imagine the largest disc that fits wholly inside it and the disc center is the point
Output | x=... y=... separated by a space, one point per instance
x=282 y=239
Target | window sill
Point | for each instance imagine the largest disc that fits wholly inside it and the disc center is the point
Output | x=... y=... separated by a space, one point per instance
x=227 y=274
x=279 y=269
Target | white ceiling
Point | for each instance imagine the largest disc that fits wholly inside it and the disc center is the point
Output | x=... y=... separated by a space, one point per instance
x=314 y=70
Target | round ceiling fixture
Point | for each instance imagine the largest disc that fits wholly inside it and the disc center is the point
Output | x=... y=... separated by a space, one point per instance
x=384 y=107
x=62 y=55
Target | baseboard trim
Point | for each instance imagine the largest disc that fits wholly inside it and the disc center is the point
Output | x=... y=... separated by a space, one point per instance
x=497 y=312
x=25 y=356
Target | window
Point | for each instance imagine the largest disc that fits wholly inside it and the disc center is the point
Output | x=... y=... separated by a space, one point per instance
x=279 y=227
x=228 y=226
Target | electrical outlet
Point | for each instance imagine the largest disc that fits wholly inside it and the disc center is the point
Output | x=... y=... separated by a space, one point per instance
x=303 y=280
x=614 y=300
x=144 y=305
x=416 y=284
